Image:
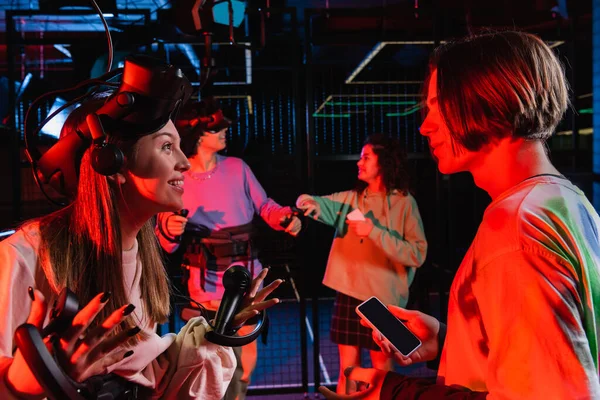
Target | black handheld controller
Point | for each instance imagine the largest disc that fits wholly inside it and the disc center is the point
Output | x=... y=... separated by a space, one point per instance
x=184 y=213
x=296 y=212
x=56 y=384
x=237 y=282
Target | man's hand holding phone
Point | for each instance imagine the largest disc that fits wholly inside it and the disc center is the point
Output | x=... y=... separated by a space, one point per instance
x=423 y=326
x=378 y=317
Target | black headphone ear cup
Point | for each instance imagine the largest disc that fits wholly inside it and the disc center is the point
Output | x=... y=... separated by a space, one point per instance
x=107 y=159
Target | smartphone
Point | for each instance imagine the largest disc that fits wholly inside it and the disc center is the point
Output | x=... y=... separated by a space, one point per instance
x=376 y=314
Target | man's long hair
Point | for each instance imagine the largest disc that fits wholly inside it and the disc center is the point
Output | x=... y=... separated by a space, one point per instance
x=499 y=84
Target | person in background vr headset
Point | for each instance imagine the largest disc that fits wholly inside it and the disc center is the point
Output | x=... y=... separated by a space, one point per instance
x=102 y=247
x=222 y=196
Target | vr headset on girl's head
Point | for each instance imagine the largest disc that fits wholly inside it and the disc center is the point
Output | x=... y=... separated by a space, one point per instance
x=150 y=94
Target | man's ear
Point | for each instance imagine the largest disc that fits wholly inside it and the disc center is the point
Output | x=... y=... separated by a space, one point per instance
x=118 y=178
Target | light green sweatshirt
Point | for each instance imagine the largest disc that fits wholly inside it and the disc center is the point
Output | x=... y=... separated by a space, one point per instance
x=382 y=264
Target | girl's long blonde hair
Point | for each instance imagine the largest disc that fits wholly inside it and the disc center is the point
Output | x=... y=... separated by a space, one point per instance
x=82 y=247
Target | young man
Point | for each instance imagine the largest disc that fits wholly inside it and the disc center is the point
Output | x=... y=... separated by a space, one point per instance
x=524 y=304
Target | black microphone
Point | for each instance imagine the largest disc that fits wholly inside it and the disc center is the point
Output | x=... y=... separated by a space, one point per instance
x=236 y=281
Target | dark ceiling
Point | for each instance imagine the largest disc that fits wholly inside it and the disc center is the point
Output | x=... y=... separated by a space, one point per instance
x=398 y=33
